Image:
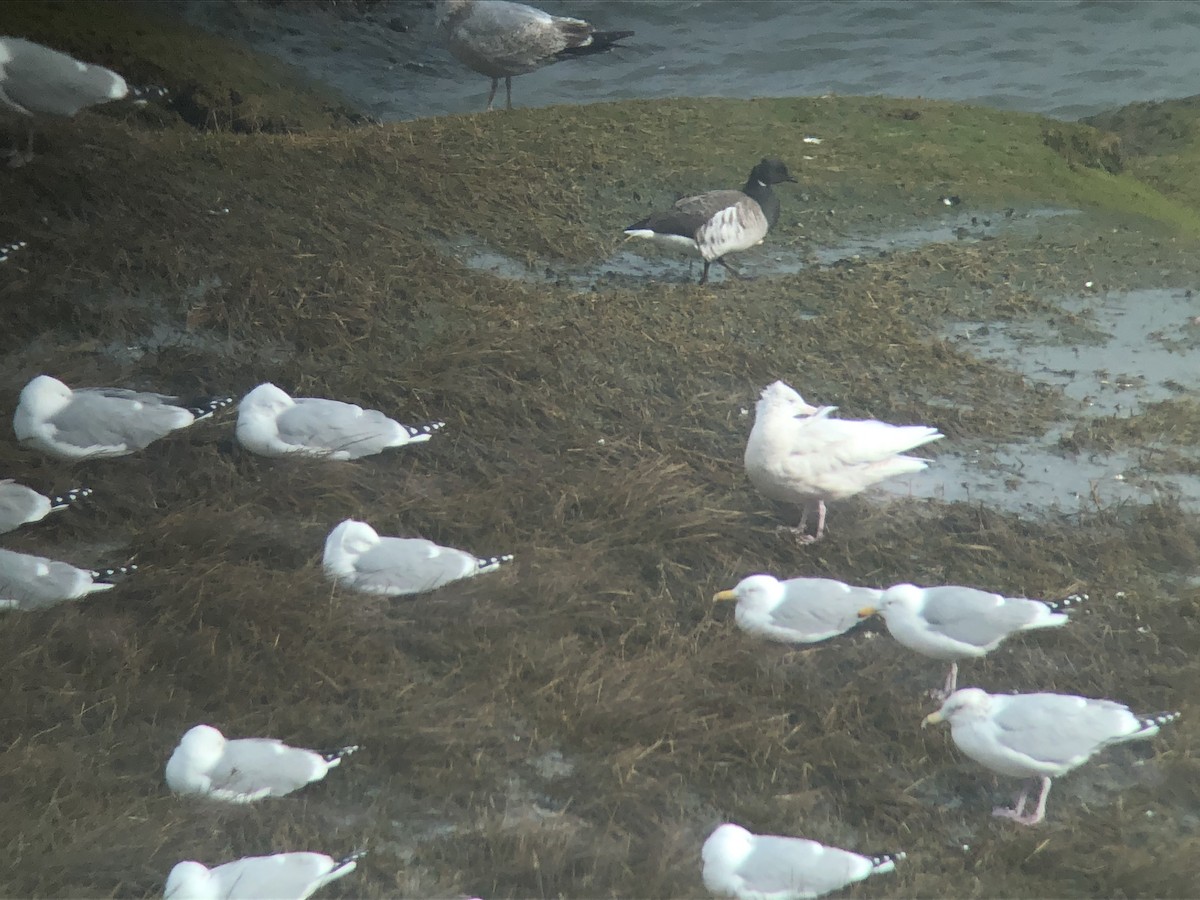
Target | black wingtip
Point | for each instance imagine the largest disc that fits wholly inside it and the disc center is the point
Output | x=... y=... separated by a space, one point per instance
x=1067 y=603
x=601 y=41
x=203 y=407
x=415 y=431
x=335 y=755
x=352 y=857
x=1158 y=720
x=113 y=575
x=7 y=250
x=74 y=495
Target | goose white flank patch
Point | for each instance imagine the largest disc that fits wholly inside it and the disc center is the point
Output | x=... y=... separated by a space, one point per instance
x=801 y=454
x=281 y=876
x=37 y=80
x=270 y=423
x=953 y=623
x=501 y=39
x=20 y=505
x=245 y=769
x=34 y=582
x=738 y=863
x=719 y=222
x=92 y=423
x=358 y=558
x=1038 y=736
x=799 y=610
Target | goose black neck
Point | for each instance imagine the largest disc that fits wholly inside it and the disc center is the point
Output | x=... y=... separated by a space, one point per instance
x=765 y=197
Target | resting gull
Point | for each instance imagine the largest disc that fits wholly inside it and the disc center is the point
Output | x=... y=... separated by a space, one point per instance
x=738 y=863
x=501 y=39
x=720 y=222
x=38 y=80
x=91 y=423
x=1038 y=736
x=270 y=423
x=281 y=876
x=358 y=558
x=34 y=582
x=800 y=454
x=244 y=770
x=20 y=505
x=799 y=610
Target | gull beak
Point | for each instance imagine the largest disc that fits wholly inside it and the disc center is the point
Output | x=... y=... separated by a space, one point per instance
x=934 y=718
x=866 y=612
x=724 y=595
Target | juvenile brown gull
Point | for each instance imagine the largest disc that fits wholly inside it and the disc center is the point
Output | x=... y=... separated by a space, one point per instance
x=799 y=610
x=1038 y=736
x=716 y=223
x=800 y=454
x=501 y=39
x=34 y=582
x=246 y=769
x=738 y=863
x=20 y=505
x=281 y=876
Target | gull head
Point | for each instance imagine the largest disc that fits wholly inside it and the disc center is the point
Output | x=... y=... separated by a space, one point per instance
x=44 y=396
x=189 y=880
x=907 y=598
x=723 y=853
x=266 y=398
x=753 y=593
x=961 y=706
x=781 y=399
x=345 y=544
x=202 y=742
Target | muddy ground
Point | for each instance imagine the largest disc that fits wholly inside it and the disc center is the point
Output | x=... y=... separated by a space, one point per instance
x=576 y=724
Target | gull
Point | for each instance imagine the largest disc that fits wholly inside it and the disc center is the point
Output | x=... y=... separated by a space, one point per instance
x=800 y=454
x=358 y=558
x=954 y=623
x=281 y=876
x=799 y=610
x=270 y=423
x=1038 y=736
x=738 y=863
x=20 y=505
x=93 y=423
x=246 y=769
x=716 y=223
x=501 y=39
x=34 y=582
x=39 y=80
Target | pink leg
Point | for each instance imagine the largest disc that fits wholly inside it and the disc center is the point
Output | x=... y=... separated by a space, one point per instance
x=820 y=520
x=949 y=686
x=1017 y=814
x=492 y=93
x=799 y=530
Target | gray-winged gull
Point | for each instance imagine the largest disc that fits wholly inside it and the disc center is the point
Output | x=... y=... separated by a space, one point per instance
x=358 y=558
x=271 y=423
x=246 y=769
x=799 y=610
x=501 y=39
x=89 y=423
x=738 y=863
x=716 y=223
x=34 y=582
x=1038 y=736
x=953 y=623
x=38 y=80
x=20 y=505
x=800 y=454
x=281 y=876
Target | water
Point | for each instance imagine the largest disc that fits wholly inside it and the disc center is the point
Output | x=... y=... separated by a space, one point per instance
x=1061 y=59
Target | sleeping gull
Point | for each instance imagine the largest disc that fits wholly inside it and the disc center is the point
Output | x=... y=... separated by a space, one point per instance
x=20 y=505
x=270 y=423
x=36 y=79
x=34 y=582
x=799 y=610
x=281 y=876
x=91 y=423
x=750 y=866
x=501 y=39
x=1038 y=736
x=800 y=454
x=244 y=770
x=358 y=558
x=954 y=623
x=720 y=222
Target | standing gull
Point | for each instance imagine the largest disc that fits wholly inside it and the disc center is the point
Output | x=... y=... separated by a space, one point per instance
x=954 y=623
x=244 y=770
x=20 y=505
x=270 y=423
x=281 y=876
x=800 y=454
x=34 y=582
x=720 y=222
x=799 y=610
x=1038 y=736
x=90 y=423
x=358 y=558
x=36 y=80
x=738 y=863
x=501 y=39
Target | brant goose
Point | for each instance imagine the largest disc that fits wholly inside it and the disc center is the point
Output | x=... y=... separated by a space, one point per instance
x=20 y=505
x=288 y=876
x=720 y=222
x=501 y=39
x=799 y=610
x=801 y=454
